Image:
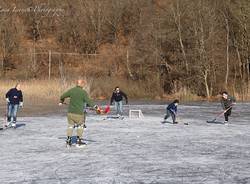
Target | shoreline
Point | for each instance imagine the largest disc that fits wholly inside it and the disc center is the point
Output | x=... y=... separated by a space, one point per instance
x=45 y=110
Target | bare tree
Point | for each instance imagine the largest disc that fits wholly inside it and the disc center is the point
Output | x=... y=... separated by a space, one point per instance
x=8 y=42
x=177 y=19
x=226 y=19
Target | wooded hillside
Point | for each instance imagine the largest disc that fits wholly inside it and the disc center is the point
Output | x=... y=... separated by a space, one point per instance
x=159 y=46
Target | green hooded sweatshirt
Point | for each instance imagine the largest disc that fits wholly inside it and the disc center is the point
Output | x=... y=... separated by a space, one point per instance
x=78 y=97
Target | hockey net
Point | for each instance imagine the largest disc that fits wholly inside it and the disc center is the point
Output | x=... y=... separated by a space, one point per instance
x=136 y=114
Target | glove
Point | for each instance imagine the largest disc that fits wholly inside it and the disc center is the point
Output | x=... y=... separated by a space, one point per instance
x=21 y=104
x=60 y=104
x=7 y=100
x=95 y=106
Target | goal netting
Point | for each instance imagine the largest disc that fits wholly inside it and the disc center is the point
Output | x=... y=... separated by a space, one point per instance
x=135 y=113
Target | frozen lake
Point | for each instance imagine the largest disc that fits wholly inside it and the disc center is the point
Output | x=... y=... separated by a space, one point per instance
x=131 y=150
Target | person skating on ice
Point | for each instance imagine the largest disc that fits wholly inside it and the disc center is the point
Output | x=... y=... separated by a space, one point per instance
x=76 y=116
x=227 y=103
x=14 y=98
x=171 y=110
x=117 y=97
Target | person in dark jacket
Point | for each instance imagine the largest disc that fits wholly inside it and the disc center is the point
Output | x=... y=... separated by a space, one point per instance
x=14 y=98
x=171 y=110
x=227 y=103
x=117 y=96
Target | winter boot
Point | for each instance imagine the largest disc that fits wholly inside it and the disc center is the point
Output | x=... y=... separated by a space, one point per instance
x=69 y=141
x=13 y=124
x=80 y=143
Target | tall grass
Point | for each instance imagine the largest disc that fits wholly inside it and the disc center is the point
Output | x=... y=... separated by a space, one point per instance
x=183 y=94
x=103 y=88
x=36 y=91
x=49 y=91
x=242 y=94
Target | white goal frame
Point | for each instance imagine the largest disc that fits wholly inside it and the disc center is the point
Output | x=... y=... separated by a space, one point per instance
x=140 y=114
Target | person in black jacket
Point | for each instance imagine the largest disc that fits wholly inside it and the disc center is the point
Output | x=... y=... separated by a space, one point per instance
x=14 y=98
x=117 y=96
x=171 y=110
x=227 y=103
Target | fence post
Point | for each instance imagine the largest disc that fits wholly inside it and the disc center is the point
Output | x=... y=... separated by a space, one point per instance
x=49 y=64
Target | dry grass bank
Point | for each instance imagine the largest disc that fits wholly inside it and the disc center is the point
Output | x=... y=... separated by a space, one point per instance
x=39 y=92
x=36 y=91
x=49 y=91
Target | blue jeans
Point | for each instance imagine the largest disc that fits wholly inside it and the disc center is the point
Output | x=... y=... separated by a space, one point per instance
x=12 y=112
x=118 y=107
x=168 y=114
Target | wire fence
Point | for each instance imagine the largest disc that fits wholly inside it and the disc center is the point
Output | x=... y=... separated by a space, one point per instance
x=49 y=64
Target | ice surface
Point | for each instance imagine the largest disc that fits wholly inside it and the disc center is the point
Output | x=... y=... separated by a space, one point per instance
x=131 y=151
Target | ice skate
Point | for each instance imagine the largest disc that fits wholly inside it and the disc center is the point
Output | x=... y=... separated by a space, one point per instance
x=80 y=143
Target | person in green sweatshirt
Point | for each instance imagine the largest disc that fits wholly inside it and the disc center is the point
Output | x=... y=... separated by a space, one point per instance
x=76 y=116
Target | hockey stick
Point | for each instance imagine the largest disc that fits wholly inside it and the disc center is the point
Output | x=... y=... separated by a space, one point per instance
x=97 y=109
x=219 y=115
x=179 y=119
x=6 y=115
x=5 y=118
